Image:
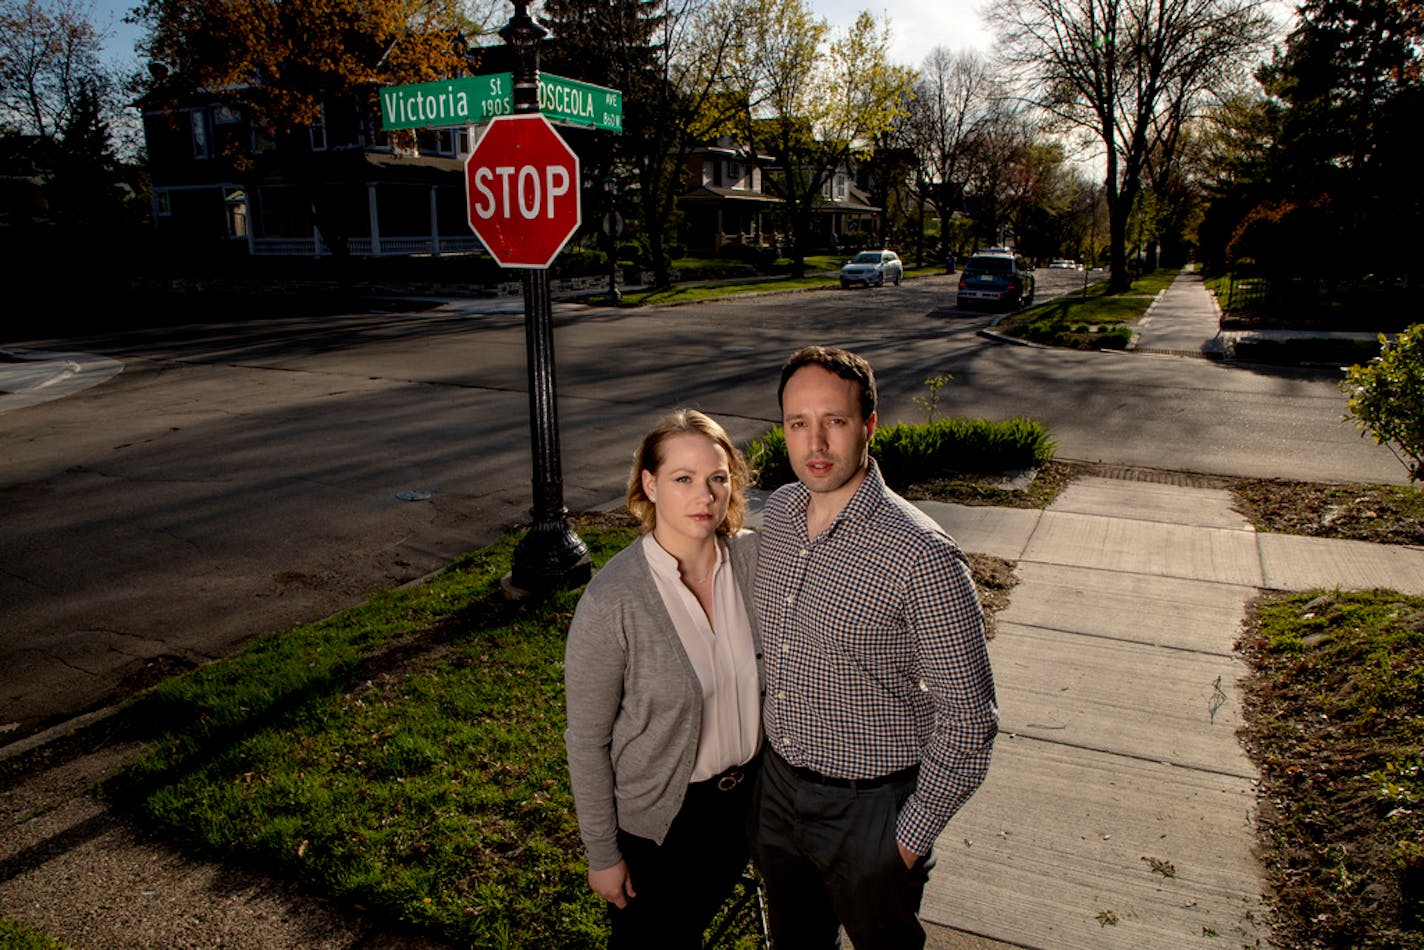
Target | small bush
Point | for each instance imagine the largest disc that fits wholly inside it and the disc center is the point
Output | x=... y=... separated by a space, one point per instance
x=1115 y=338
x=909 y=453
x=762 y=258
x=631 y=252
x=18 y=936
x=1387 y=398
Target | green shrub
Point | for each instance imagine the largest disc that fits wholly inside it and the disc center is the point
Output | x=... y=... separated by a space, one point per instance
x=1115 y=338
x=910 y=453
x=762 y=258
x=579 y=262
x=632 y=252
x=17 y=936
x=1386 y=397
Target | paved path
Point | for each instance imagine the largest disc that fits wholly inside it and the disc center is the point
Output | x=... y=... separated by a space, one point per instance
x=1119 y=809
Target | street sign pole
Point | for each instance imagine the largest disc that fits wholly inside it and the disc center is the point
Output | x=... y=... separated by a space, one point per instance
x=550 y=556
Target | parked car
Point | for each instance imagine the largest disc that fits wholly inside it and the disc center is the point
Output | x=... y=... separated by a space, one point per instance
x=1062 y=264
x=873 y=269
x=996 y=278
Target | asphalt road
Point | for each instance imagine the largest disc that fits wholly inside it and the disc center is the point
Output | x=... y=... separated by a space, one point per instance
x=240 y=477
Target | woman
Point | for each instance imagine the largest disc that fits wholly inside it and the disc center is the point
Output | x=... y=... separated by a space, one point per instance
x=663 y=681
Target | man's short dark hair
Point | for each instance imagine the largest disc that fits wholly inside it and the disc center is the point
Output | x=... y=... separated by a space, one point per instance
x=842 y=363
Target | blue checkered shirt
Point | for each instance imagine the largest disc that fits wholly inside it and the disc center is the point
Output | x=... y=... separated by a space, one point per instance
x=875 y=652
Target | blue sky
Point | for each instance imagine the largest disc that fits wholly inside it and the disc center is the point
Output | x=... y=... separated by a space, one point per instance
x=916 y=26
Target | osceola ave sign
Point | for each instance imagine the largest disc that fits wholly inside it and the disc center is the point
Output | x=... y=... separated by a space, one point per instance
x=522 y=182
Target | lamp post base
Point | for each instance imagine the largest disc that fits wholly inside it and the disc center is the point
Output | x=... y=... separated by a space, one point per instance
x=549 y=557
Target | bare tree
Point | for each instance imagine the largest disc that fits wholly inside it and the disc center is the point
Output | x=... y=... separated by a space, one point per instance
x=49 y=53
x=950 y=113
x=1129 y=73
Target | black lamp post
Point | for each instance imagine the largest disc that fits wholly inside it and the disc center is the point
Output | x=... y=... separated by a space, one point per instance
x=550 y=556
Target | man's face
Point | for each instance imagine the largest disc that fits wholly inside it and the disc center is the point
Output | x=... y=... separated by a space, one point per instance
x=826 y=436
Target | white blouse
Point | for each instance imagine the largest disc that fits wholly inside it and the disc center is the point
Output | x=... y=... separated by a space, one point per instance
x=723 y=656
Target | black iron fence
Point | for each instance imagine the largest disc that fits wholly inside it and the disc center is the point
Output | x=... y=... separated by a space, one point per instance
x=1341 y=303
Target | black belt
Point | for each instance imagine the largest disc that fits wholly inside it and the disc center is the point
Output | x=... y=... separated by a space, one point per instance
x=861 y=784
x=728 y=779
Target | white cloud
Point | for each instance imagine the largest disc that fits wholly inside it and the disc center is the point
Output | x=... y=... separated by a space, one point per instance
x=916 y=26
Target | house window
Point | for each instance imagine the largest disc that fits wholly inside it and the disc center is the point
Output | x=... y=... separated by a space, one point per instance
x=439 y=141
x=162 y=206
x=235 y=202
x=263 y=140
x=226 y=115
x=736 y=172
x=317 y=131
x=198 y=119
x=453 y=141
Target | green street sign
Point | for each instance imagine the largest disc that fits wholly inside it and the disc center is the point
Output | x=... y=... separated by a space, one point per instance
x=475 y=99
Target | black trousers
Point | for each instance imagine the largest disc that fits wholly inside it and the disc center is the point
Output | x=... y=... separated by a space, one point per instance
x=828 y=858
x=682 y=882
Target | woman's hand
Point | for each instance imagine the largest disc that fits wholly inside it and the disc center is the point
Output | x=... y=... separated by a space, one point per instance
x=612 y=884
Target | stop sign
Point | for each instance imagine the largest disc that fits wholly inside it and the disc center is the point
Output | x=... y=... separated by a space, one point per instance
x=522 y=183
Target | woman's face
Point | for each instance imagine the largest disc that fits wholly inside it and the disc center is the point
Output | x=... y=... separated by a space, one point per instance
x=691 y=488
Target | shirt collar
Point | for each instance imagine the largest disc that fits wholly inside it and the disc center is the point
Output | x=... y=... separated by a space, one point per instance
x=861 y=505
x=664 y=564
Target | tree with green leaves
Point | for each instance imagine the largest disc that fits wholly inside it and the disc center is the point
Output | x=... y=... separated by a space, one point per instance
x=669 y=59
x=1350 y=81
x=1128 y=74
x=1386 y=398
x=85 y=167
x=810 y=101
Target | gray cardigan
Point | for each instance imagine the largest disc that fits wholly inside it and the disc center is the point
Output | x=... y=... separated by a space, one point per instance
x=634 y=701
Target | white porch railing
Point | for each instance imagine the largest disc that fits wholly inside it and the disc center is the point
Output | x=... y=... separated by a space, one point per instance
x=314 y=246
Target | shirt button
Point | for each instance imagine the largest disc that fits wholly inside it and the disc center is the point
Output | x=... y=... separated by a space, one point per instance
x=804 y=552
x=791 y=598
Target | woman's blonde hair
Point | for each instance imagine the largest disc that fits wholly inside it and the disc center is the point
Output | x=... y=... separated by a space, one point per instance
x=649 y=457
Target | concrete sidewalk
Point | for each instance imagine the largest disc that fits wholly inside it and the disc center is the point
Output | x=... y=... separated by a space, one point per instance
x=1119 y=810
x=1185 y=320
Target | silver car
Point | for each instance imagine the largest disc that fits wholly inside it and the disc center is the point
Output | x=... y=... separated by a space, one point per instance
x=873 y=269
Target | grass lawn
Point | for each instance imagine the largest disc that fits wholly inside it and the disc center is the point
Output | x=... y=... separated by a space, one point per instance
x=1335 y=722
x=821 y=272
x=405 y=755
x=1090 y=319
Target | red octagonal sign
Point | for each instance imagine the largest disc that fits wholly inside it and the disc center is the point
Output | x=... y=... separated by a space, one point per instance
x=522 y=182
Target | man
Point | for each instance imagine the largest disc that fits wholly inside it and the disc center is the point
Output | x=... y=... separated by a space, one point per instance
x=880 y=711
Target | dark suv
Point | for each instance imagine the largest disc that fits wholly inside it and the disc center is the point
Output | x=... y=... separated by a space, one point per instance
x=996 y=278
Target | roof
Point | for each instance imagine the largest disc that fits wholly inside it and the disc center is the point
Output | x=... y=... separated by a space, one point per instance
x=710 y=194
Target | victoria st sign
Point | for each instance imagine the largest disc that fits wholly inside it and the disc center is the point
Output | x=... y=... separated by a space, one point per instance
x=471 y=100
